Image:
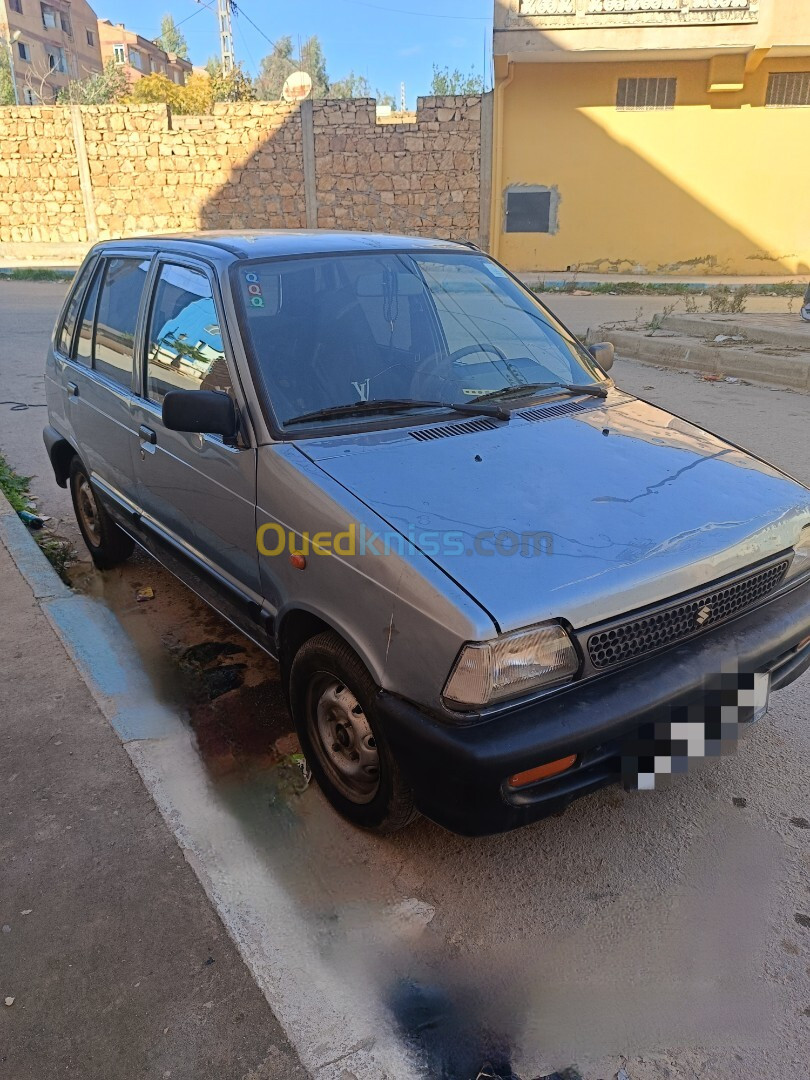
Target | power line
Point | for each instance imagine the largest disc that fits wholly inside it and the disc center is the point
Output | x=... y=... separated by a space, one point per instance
x=197 y=12
x=258 y=29
x=420 y=14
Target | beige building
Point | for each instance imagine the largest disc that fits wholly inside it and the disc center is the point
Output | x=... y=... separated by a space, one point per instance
x=50 y=44
x=138 y=55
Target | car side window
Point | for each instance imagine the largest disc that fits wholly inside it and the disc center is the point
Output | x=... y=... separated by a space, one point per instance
x=84 y=340
x=117 y=318
x=184 y=350
x=65 y=340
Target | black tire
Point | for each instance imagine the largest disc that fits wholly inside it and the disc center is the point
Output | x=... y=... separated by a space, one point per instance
x=107 y=543
x=326 y=677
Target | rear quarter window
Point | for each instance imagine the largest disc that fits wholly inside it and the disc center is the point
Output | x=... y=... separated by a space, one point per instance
x=64 y=340
x=83 y=347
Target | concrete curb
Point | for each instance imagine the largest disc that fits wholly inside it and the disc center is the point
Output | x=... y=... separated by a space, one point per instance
x=337 y=1034
x=682 y=352
x=702 y=327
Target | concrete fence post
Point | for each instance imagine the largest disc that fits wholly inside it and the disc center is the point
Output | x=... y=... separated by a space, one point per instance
x=310 y=184
x=85 y=183
x=485 y=170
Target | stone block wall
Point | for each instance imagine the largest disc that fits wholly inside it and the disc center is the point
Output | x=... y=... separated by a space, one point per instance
x=416 y=178
x=40 y=190
x=102 y=171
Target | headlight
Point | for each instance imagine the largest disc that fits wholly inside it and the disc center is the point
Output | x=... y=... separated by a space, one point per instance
x=514 y=664
x=801 y=555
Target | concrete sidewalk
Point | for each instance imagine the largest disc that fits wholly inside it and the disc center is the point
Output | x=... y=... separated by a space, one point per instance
x=114 y=958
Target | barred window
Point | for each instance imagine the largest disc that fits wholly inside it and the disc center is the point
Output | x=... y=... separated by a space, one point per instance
x=788 y=89
x=642 y=95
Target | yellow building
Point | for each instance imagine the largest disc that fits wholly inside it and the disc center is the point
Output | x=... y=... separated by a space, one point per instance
x=48 y=44
x=652 y=136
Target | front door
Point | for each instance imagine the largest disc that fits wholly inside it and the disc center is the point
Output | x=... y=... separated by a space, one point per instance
x=198 y=492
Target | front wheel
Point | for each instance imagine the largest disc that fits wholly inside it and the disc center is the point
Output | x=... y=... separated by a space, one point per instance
x=108 y=544
x=333 y=704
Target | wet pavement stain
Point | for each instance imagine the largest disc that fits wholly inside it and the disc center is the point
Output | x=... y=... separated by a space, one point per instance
x=236 y=733
x=225 y=685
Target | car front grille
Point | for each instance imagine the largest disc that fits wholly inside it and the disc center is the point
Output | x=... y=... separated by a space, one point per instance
x=671 y=623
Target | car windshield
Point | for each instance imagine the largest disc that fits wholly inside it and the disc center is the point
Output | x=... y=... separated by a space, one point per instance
x=447 y=328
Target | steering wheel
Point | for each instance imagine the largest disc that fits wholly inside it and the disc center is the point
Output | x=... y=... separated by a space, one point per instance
x=468 y=350
x=430 y=370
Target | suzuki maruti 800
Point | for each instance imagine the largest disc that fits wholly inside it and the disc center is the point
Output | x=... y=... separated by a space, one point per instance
x=493 y=580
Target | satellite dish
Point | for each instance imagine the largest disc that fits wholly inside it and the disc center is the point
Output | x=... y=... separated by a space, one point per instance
x=297 y=87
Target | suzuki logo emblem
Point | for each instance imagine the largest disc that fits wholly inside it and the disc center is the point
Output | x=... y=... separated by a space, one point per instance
x=703 y=615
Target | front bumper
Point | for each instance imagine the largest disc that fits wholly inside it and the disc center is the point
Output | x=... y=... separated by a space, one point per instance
x=459 y=773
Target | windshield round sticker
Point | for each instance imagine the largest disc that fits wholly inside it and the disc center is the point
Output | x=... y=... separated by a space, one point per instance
x=254 y=289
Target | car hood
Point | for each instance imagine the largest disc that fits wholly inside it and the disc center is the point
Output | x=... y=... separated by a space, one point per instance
x=632 y=505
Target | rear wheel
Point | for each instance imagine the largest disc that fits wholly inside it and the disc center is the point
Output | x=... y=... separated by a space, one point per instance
x=333 y=701
x=108 y=544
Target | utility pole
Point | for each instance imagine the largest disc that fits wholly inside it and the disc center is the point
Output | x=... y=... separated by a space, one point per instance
x=224 y=8
x=402 y=97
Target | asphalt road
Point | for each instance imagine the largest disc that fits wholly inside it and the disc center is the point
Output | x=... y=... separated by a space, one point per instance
x=663 y=932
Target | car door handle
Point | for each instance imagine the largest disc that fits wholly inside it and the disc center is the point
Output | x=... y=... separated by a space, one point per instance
x=73 y=389
x=146 y=434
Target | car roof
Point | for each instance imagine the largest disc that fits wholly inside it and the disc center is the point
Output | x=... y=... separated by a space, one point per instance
x=269 y=243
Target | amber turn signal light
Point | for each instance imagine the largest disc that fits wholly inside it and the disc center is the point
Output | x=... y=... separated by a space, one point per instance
x=542 y=772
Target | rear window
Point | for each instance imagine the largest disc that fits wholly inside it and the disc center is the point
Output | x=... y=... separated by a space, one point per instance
x=117 y=318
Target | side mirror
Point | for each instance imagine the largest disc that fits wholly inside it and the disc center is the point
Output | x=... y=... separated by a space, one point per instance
x=209 y=412
x=602 y=353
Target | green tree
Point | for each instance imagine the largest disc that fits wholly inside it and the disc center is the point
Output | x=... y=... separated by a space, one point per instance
x=212 y=65
x=352 y=86
x=6 y=85
x=281 y=63
x=101 y=88
x=446 y=82
x=171 y=40
x=313 y=62
x=236 y=85
x=274 y=69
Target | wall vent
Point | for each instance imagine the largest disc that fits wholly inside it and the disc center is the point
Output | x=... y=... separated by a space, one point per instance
x=645 y=95
x=788 y=89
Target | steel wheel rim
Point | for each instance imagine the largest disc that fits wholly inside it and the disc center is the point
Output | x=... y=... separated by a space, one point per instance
x=343 y=740
x=88 y=509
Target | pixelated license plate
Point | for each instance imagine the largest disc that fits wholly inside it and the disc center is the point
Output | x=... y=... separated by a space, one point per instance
x=709 y=728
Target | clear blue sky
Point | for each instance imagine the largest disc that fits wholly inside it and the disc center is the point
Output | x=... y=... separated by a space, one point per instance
x=388 y=41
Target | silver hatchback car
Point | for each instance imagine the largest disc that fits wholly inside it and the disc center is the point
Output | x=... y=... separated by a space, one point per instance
x=493 y=580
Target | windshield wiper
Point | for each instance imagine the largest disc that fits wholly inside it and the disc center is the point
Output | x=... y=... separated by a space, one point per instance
x=385 y=405
x=596 y=389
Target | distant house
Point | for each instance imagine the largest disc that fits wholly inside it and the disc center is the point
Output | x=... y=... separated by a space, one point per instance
x=138 y=55
x=652 y=136
x=51 y=43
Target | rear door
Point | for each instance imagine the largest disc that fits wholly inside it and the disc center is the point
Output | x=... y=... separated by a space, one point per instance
x=98 y=377
x=198 y=492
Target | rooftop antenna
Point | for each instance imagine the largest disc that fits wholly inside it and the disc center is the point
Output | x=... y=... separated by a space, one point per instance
x=224 y=9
